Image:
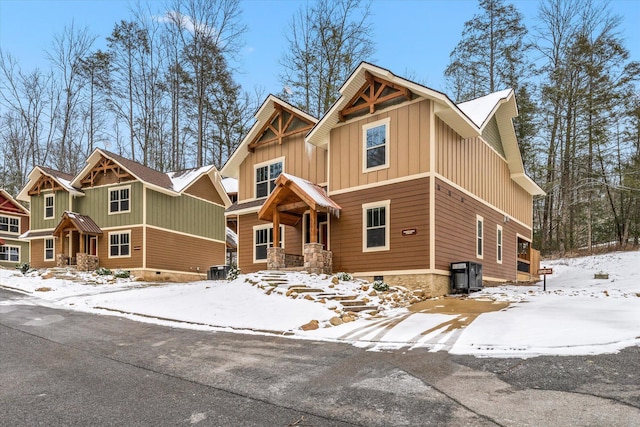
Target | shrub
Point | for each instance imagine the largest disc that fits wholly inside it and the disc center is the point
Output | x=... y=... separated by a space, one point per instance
x=345 y=277
x=23 y=267
x=380 y=286
x=122 y=274
x=233 y=272
x=103 y=271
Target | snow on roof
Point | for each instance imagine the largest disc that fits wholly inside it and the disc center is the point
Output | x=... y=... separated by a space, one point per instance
x=316 y=193
x=232 y=238
x=230 y=185
x=181 y=179
x=479 y=109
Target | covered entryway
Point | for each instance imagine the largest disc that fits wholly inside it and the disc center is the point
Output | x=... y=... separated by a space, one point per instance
x=77 y=234
x=287 y=204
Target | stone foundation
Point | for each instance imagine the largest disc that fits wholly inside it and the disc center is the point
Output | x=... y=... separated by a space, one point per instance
x=276 y=258
x=86 y=262
x=425 y=285
x=62 y=260
x=317 y=260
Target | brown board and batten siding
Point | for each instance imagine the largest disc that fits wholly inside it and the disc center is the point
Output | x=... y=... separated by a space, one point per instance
x=408 y=147
x=474 y=166
x=302 y=159
x=292 y=242
x=37 y=254
x=455 y=233
x=135 y=249
x=203 y=188
x=409 y=210
x=178 y=252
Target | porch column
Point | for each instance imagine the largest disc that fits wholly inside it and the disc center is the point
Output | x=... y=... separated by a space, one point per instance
x=82 y=245
x=313 y=228
x=276 y=228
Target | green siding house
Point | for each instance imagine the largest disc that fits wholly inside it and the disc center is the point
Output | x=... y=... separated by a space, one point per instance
x=119 y=214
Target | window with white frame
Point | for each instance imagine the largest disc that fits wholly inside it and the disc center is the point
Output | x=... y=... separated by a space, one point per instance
x=119 y=244
x=375 y=226
x=119 y=200
x=375 y=137
x=9 y=224
x=266 y=175
x=499 y=244
x=49 y=206
x=479 y=235
x=10 y=253
x=48 y=250
x=263 y=239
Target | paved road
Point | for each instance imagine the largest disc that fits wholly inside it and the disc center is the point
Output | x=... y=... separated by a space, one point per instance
x=68 y=368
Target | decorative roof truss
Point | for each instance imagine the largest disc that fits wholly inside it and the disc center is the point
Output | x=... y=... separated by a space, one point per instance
x=6 y=205
x=281 y=124
x=104 y=166
x=45 y=182
x=375 y=92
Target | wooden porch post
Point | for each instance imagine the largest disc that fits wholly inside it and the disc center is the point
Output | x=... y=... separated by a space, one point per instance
x=313 y=232
x=276 y=228
x=61 y=243
x=82 y=245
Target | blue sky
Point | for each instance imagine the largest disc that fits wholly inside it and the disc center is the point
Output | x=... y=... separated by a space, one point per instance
x=413 y=38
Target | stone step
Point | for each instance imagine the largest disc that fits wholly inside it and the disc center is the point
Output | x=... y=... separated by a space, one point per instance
x=352 y=303
x=304 y=289
x=355 y=308
x=342 y=297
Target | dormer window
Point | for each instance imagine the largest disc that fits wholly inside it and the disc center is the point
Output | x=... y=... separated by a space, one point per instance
x=266 y=175
x=119 y=200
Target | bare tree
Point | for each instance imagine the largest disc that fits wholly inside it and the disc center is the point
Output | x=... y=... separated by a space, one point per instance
x=325 y=42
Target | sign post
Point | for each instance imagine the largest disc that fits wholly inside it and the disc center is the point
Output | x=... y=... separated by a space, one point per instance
x=544 y=271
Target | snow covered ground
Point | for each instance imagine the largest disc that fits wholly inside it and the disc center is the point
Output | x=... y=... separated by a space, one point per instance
x=576 y=315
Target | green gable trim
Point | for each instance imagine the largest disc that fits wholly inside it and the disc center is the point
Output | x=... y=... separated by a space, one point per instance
x=491 y=135
x=186 y=214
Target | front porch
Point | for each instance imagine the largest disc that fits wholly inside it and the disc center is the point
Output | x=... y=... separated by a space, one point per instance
x=77 y=234
x=291 y=200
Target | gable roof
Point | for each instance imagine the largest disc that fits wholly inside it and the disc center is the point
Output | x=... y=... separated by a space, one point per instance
x=446 y=109
x=83 y=223
x=17 y=207
x=171 y=183
x=63 y=179
x=232 y=166
x=481 y=109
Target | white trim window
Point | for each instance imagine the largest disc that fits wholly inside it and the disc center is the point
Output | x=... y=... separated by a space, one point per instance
x=479 y=236
x=265 y=177
x=263 y=239
x=499 y=244
x=375 y=226
x=10 y=253
x=49 y=254
x=120 y=244
x=49 y=206
x=375 y=145
x=120 y=200
x=10 y=224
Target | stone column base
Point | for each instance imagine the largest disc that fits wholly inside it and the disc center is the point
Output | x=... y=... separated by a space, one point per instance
x=86 y=262
x=62 y=260
x=316 y=259
x=275 y=258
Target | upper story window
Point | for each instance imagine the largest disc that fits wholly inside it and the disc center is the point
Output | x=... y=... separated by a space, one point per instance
x=9 y=224
x=266 y=175
x=119 y=199
x=376 y=226
x=479 y=236
x=49 y=206
x=376 y=145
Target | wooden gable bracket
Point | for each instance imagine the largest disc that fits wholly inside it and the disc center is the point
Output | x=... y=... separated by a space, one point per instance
x=279 y=128
x=45 y=182
x=103 y=166
x=373 y=97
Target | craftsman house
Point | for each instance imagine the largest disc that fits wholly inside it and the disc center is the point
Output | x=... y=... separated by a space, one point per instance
x=14 y=221
x=394 y=181
x=119 y=214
